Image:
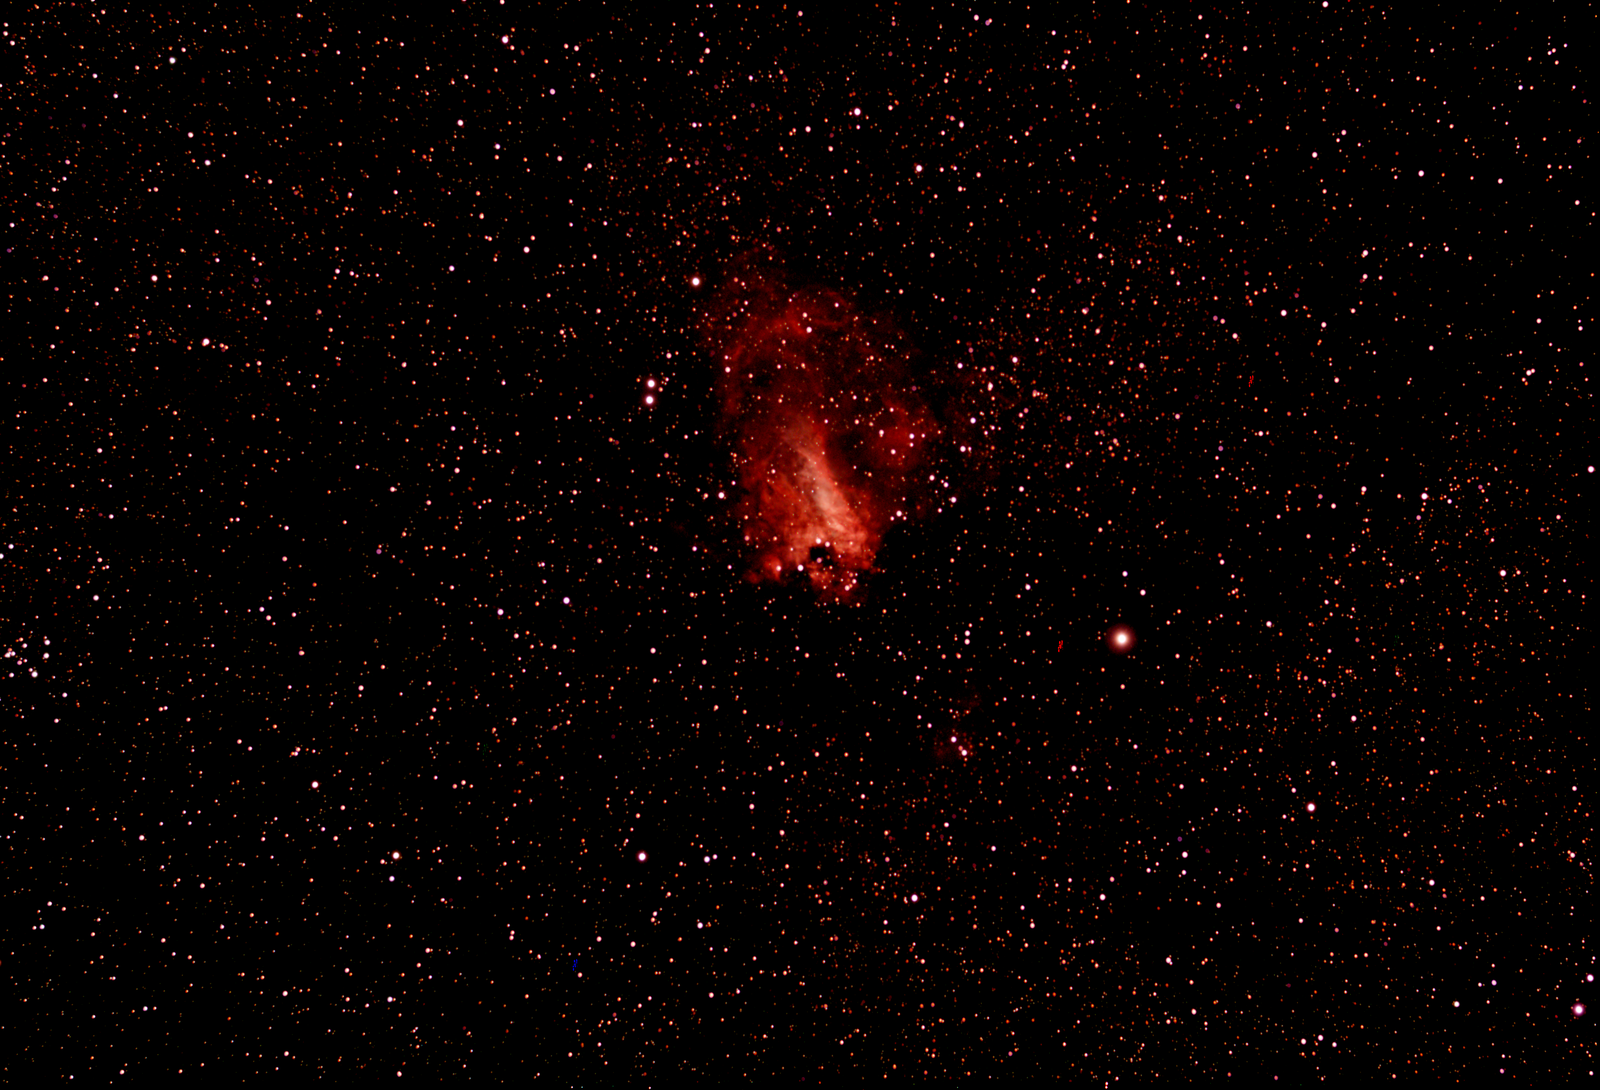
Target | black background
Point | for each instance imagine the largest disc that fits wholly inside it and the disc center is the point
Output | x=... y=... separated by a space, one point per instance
x=405 y=558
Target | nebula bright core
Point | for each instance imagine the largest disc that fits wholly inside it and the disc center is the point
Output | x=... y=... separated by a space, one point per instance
x=827 y=426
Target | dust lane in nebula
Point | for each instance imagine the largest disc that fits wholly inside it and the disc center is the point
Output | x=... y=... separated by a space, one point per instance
x=825 y=422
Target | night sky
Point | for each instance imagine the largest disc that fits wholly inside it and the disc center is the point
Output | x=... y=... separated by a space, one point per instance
x=577 y=542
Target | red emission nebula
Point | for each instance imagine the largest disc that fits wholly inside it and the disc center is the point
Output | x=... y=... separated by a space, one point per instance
x=826 y=425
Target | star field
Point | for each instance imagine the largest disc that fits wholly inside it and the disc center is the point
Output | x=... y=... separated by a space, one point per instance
x=458 y=619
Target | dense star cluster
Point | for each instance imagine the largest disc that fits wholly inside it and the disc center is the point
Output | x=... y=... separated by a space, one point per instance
x=748 y=542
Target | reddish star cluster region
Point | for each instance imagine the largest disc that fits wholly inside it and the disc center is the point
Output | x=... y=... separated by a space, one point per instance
x=827 y=428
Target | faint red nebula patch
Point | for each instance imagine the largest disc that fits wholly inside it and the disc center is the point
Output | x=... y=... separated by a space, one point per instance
x=826 y=425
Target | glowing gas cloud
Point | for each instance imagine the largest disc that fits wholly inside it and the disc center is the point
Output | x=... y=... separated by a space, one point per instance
x=827 y=428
